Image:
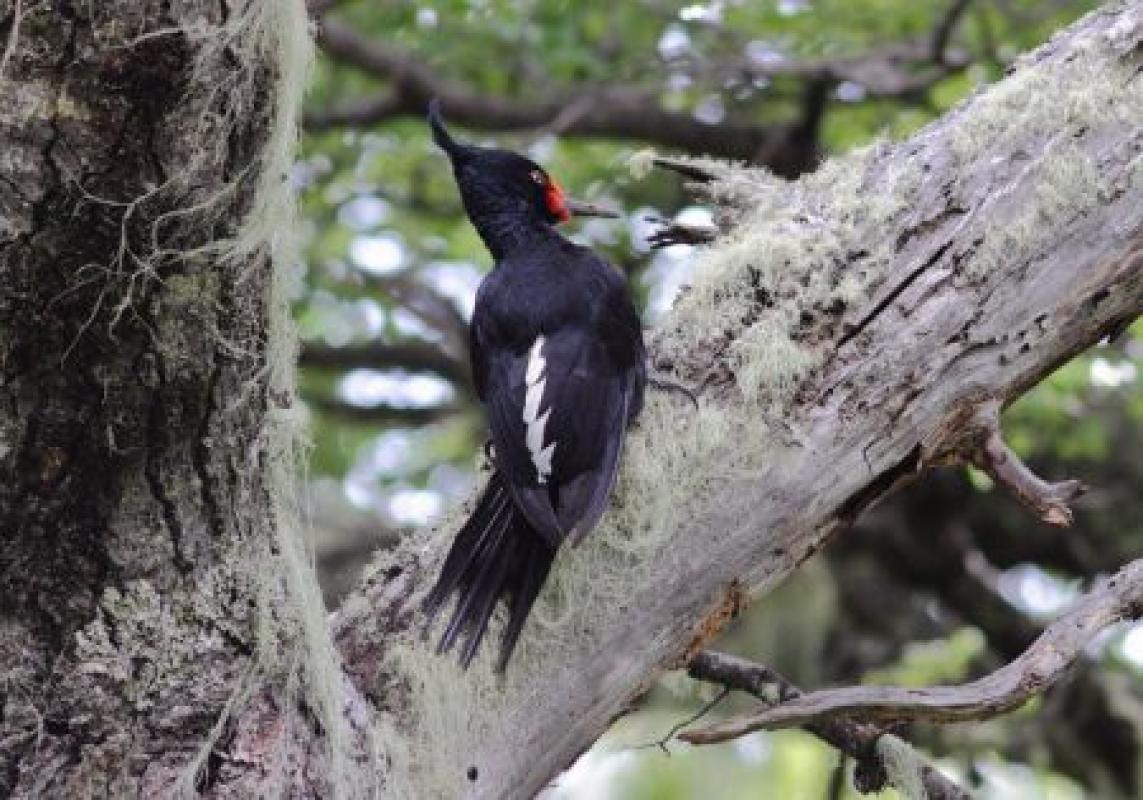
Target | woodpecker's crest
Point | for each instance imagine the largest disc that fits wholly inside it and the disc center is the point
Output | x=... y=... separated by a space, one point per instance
x=498 y=181
x=558 y=361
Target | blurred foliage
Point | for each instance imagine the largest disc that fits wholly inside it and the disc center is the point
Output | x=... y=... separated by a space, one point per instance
x=665 y=49
x=381 y=206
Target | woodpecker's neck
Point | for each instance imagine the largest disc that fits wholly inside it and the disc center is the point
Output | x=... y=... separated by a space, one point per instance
x=506 y=231
x=504 y=220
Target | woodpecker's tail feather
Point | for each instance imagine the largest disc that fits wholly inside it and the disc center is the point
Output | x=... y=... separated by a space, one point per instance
x=495 y=555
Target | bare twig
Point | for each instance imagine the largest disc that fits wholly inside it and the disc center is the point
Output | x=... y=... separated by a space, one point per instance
x=619 y=111
x=382 y=415
x=13 y=36
x=1041 y=665
x=671 y=233
x=416 y=356
x=319 y=7
x=688 y=169
x=662 y=742
x=628 y=111
x=855 y=739
x=945 y=27
x=900 y=70
x=1048 y=500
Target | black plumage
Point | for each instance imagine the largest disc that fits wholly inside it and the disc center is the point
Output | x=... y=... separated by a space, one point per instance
x=558 y=360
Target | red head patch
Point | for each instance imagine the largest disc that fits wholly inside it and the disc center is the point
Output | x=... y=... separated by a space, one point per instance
x=554 y=198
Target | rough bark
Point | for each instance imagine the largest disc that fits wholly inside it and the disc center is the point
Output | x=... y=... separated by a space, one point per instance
x=134 y=494
x=133 y=391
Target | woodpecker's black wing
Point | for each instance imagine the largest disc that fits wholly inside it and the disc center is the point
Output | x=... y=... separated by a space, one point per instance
x=560 y=396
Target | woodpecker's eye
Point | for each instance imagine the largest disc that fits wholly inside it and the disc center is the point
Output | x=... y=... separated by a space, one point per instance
x=538 y=177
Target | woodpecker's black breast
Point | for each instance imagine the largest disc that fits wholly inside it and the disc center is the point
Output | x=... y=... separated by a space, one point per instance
x=558 y=358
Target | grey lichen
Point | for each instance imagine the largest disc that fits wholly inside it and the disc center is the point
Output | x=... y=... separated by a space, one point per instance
x=798 y=254
x=1049 y=109
x=768 y=301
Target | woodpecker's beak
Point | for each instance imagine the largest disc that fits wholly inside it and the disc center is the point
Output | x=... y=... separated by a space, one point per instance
x=578 y=208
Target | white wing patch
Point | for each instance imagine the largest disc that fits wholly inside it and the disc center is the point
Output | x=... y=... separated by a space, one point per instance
x=534 y=422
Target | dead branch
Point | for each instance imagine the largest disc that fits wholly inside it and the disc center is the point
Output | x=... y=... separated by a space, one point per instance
x=854 y=738
x=1049 y=501
x=415 y=356
x=1041 y=665
x=671 y=233
x=615 y=111
x=383 y=414
x=902 y=70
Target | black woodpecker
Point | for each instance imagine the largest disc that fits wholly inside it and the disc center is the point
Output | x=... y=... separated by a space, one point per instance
x=558 y=361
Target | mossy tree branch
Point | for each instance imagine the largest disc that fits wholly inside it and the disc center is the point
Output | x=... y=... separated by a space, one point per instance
x=994 y=245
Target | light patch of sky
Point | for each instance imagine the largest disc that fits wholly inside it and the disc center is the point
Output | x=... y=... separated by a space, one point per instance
x=674 y=43
x=850 y=92
x=591 y=776
x=595 y=231
x=336 y=327
x=409 y=325
x=456 y=280
x=366 y=388
x=363 y=213
x=371 y=316
x=391 y=455
x=754 y=748
x=426 y=18
x=1131 y=645
x=410 y=506
x=1035 y=591
x=710 y=110
x=361 y=494
x=382 y=254
x=306 y=173
x=453 y=482
x=341 y=321
x=542 y=149
x=788 y=8
x=710 y=13
x=671 y=266
x=1006 y=779
x=1106 y=373
x=764 y=54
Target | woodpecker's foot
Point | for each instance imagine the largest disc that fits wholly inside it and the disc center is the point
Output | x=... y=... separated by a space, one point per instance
x=665 y=385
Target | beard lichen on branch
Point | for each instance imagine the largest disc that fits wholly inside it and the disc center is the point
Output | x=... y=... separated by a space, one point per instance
x=1095 y=91
x=208 y=246
x=270 y=44
x=767 y=304
x=795 y=249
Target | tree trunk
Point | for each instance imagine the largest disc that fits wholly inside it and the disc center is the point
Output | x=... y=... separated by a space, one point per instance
x=160 y=629
x=137 y=382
